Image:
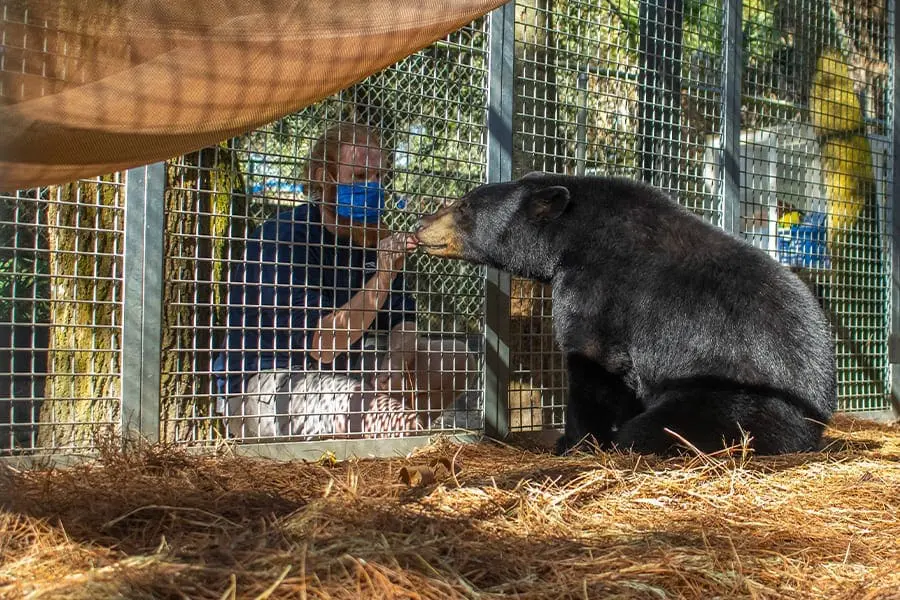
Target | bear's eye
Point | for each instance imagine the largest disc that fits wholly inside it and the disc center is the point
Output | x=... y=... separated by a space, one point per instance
x=464 y=212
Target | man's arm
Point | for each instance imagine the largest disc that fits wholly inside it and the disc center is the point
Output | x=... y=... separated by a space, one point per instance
x=339 y=330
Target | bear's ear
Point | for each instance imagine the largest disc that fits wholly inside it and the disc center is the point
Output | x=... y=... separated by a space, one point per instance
x=533 y=175
x=546 y=204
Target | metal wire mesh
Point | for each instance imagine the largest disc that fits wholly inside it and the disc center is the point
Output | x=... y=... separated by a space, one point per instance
x=429 y=112
x=611 y=89
x=60 y=315
x=637 y=89
x=815 y=150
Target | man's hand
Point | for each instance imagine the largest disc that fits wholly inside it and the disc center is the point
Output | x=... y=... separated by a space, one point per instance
x=392 y=252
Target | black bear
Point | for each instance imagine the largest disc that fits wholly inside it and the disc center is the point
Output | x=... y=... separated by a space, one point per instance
x=666 y=321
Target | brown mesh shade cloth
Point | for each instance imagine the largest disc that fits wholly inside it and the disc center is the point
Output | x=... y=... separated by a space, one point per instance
x=88 y=87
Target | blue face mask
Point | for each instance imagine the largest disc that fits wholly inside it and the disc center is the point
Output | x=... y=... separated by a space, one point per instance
x=360 y=201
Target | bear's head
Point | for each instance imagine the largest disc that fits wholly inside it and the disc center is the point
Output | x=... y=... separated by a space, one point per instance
x=504 y=225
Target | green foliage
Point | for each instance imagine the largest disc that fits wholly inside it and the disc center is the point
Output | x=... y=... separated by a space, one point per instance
x=703 y=24
x=24 y=268
x=761 y=38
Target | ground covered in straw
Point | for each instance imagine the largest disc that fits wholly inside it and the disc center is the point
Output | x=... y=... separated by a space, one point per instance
x=481 y=520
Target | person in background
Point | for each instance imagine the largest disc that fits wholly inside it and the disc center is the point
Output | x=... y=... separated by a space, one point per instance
x=316 y=283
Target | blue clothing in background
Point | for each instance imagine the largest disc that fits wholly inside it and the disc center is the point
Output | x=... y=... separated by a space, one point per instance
x=805 y=244
x=295 y=271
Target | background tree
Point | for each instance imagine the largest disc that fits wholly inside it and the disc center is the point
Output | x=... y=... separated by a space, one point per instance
x=24 y=313
x=206 y=225
x=85 y=243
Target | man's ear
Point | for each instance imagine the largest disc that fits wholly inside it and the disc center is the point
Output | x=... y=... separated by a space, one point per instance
x=546 y=204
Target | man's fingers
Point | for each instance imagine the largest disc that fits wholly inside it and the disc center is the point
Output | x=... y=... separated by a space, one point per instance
x=397 y=242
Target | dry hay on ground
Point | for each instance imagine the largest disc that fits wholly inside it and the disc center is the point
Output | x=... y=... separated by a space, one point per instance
x=160 y=523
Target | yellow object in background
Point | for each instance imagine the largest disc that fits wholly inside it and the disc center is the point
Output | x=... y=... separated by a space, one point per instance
x=849 y=181
x=833 y=103
x=788 y=219
x=837 y=119
x=855 y=293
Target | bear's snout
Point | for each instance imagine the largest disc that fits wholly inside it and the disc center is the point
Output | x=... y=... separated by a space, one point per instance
x=438 y=235
x=425 y=221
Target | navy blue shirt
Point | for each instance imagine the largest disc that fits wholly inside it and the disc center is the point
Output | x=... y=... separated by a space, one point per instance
x=295 y=271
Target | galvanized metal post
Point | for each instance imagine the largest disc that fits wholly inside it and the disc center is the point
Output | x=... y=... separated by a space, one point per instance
x=581 y=123
x=894 y=191
x=501 y=89
x=142 y=325
x=731 y=117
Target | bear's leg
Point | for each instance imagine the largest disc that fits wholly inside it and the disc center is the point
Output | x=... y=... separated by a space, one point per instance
x=710 y=420
x=598 y=401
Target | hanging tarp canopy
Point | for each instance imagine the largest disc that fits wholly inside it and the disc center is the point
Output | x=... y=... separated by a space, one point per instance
x=88 y=87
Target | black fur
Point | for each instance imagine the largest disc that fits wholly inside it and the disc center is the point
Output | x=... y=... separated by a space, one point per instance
x=665 y=320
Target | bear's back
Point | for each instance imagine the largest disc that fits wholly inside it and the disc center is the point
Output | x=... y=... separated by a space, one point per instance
x=682 y=277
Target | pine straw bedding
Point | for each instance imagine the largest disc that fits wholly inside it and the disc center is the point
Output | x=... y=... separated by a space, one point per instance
x=461 y=521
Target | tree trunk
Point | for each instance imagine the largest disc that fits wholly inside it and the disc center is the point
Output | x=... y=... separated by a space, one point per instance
x=84 y=379
x=205 y=227
x=810 y=25
x=661 y=24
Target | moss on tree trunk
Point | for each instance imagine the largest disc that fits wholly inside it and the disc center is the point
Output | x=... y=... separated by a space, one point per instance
x=84 y=382
x=205 y=227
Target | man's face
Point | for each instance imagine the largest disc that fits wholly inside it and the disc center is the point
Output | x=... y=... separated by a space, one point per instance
x=360 y=163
